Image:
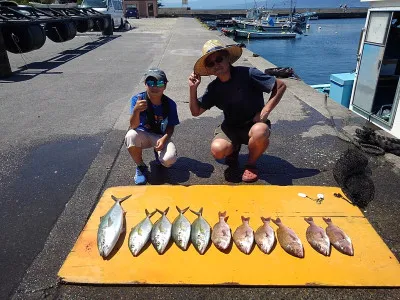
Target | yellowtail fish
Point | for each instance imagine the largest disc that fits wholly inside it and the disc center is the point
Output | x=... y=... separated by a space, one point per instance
x=288 y=239
x=244 y=236
x=161 y=232
x=200 y=232
x=111 y=226
x=265 y=236
x=339 y=239
x=181 y=229
x=317 y=237
x=140 y=234
x=221 y=234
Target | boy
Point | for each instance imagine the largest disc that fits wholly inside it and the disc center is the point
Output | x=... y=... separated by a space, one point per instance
x=152 y=122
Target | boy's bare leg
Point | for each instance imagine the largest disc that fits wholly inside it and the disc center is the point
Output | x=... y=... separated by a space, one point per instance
x=136 y=154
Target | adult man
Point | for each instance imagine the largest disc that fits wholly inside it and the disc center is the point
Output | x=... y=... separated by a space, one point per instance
x=153 y=119
x=238 y=92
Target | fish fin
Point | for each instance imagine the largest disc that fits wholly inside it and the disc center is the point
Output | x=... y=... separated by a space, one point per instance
x=309 y=220
x=264 y=220
x=161 y=212
x=120 y=199
x=244 y=219
x=149 y=215
x=166 y=211
x=197 y=212
x=277 y=221
x=109 y=222
x=182 y=211
x=327 y=220
x=222 y=214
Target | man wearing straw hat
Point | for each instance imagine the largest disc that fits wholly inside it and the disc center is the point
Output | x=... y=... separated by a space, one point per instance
x=238 y=92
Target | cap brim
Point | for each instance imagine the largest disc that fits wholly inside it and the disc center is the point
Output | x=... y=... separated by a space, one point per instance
x=234 y=54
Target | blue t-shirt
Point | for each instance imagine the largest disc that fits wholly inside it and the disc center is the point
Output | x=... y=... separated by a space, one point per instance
x=241 y=97
x=144 y=125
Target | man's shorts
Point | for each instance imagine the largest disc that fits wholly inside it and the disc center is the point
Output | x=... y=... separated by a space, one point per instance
x=236 y=135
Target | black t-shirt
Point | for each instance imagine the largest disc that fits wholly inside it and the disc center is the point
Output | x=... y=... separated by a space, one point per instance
x=241 y=97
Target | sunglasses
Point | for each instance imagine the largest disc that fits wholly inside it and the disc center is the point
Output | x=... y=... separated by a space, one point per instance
x=154 y=83
x=218 y=60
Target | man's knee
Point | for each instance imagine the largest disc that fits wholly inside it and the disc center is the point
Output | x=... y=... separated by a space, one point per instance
x=260 y=132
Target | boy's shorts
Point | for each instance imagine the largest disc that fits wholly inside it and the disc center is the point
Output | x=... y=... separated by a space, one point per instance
x=236 y=135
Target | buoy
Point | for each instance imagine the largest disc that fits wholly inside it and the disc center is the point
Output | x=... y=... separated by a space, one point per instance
x=319 y=27
x=248 y=35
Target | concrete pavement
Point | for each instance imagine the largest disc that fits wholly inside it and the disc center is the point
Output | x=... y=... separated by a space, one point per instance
x=304 y=148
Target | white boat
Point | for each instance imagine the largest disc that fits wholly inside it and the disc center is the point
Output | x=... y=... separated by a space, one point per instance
x=258 y=34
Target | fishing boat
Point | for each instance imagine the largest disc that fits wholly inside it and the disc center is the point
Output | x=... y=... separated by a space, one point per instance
x=259 y=34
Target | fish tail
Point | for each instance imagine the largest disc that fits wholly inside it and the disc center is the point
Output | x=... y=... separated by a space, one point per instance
x=265 y=220
x=327 y=220
x=120 y=199
x=149 y=215
x=244 y=219
x=277 y=221
x=182 y=211
x=309 y=220
x=199 y=213
x=163 y=212
x=222 y=214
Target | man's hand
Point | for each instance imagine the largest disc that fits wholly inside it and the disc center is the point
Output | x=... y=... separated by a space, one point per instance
x=264 y=115
x=160 y=143
x=194 y=80
x=141 y=105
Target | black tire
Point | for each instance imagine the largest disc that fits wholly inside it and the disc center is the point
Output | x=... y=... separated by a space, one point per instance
x=60 y=32
x=23 y=38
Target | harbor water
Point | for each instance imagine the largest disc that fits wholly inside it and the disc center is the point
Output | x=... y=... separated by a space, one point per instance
x=329 y=46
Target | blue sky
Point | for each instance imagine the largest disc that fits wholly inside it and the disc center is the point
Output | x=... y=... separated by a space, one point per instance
x=237 y=4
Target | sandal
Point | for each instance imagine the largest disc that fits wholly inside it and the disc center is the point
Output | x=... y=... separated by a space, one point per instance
x=250 y=174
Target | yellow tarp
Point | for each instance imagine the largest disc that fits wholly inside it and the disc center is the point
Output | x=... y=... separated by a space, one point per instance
x=373 y=264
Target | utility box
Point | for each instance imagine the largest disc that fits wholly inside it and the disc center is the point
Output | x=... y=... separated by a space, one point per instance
x=341 y=87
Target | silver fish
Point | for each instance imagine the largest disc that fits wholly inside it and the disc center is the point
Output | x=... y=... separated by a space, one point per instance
x=161 y=232
x=221 y=234
x=200 y=233
x=288 y=239
x=317 y=237
x=140 y=234
x=111 y=226
x=244 y=236
x=339 y=239
x=181 y=229
x=265 y=236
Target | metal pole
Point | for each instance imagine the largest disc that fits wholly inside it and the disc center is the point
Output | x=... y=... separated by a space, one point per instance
x=5 y=68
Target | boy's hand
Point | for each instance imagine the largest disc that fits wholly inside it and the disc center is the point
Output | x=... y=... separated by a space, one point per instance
x=141 y=105
x=194 y=80
x=160 y=144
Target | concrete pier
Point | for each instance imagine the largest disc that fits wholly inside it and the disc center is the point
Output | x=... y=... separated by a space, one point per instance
x=68 y=111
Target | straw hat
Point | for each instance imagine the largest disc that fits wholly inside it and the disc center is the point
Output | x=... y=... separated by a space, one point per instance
x=211 y=47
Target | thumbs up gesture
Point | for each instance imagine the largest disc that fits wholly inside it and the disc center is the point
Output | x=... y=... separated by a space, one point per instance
x=141 y=105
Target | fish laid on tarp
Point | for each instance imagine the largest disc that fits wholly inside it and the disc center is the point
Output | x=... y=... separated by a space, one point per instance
x=181 y=229
x=140 y=234
x=339 y=239
x=111 y=226
x=244 y=236
x=221 y=234
x=317 y=237
x=161 y=232
x=200 y=233
x=288 y=239
x=265 y=236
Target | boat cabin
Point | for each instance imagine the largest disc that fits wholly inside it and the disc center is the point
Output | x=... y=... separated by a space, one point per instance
x=376 y=90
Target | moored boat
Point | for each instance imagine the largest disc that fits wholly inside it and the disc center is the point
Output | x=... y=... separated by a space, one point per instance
x=258 y=34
